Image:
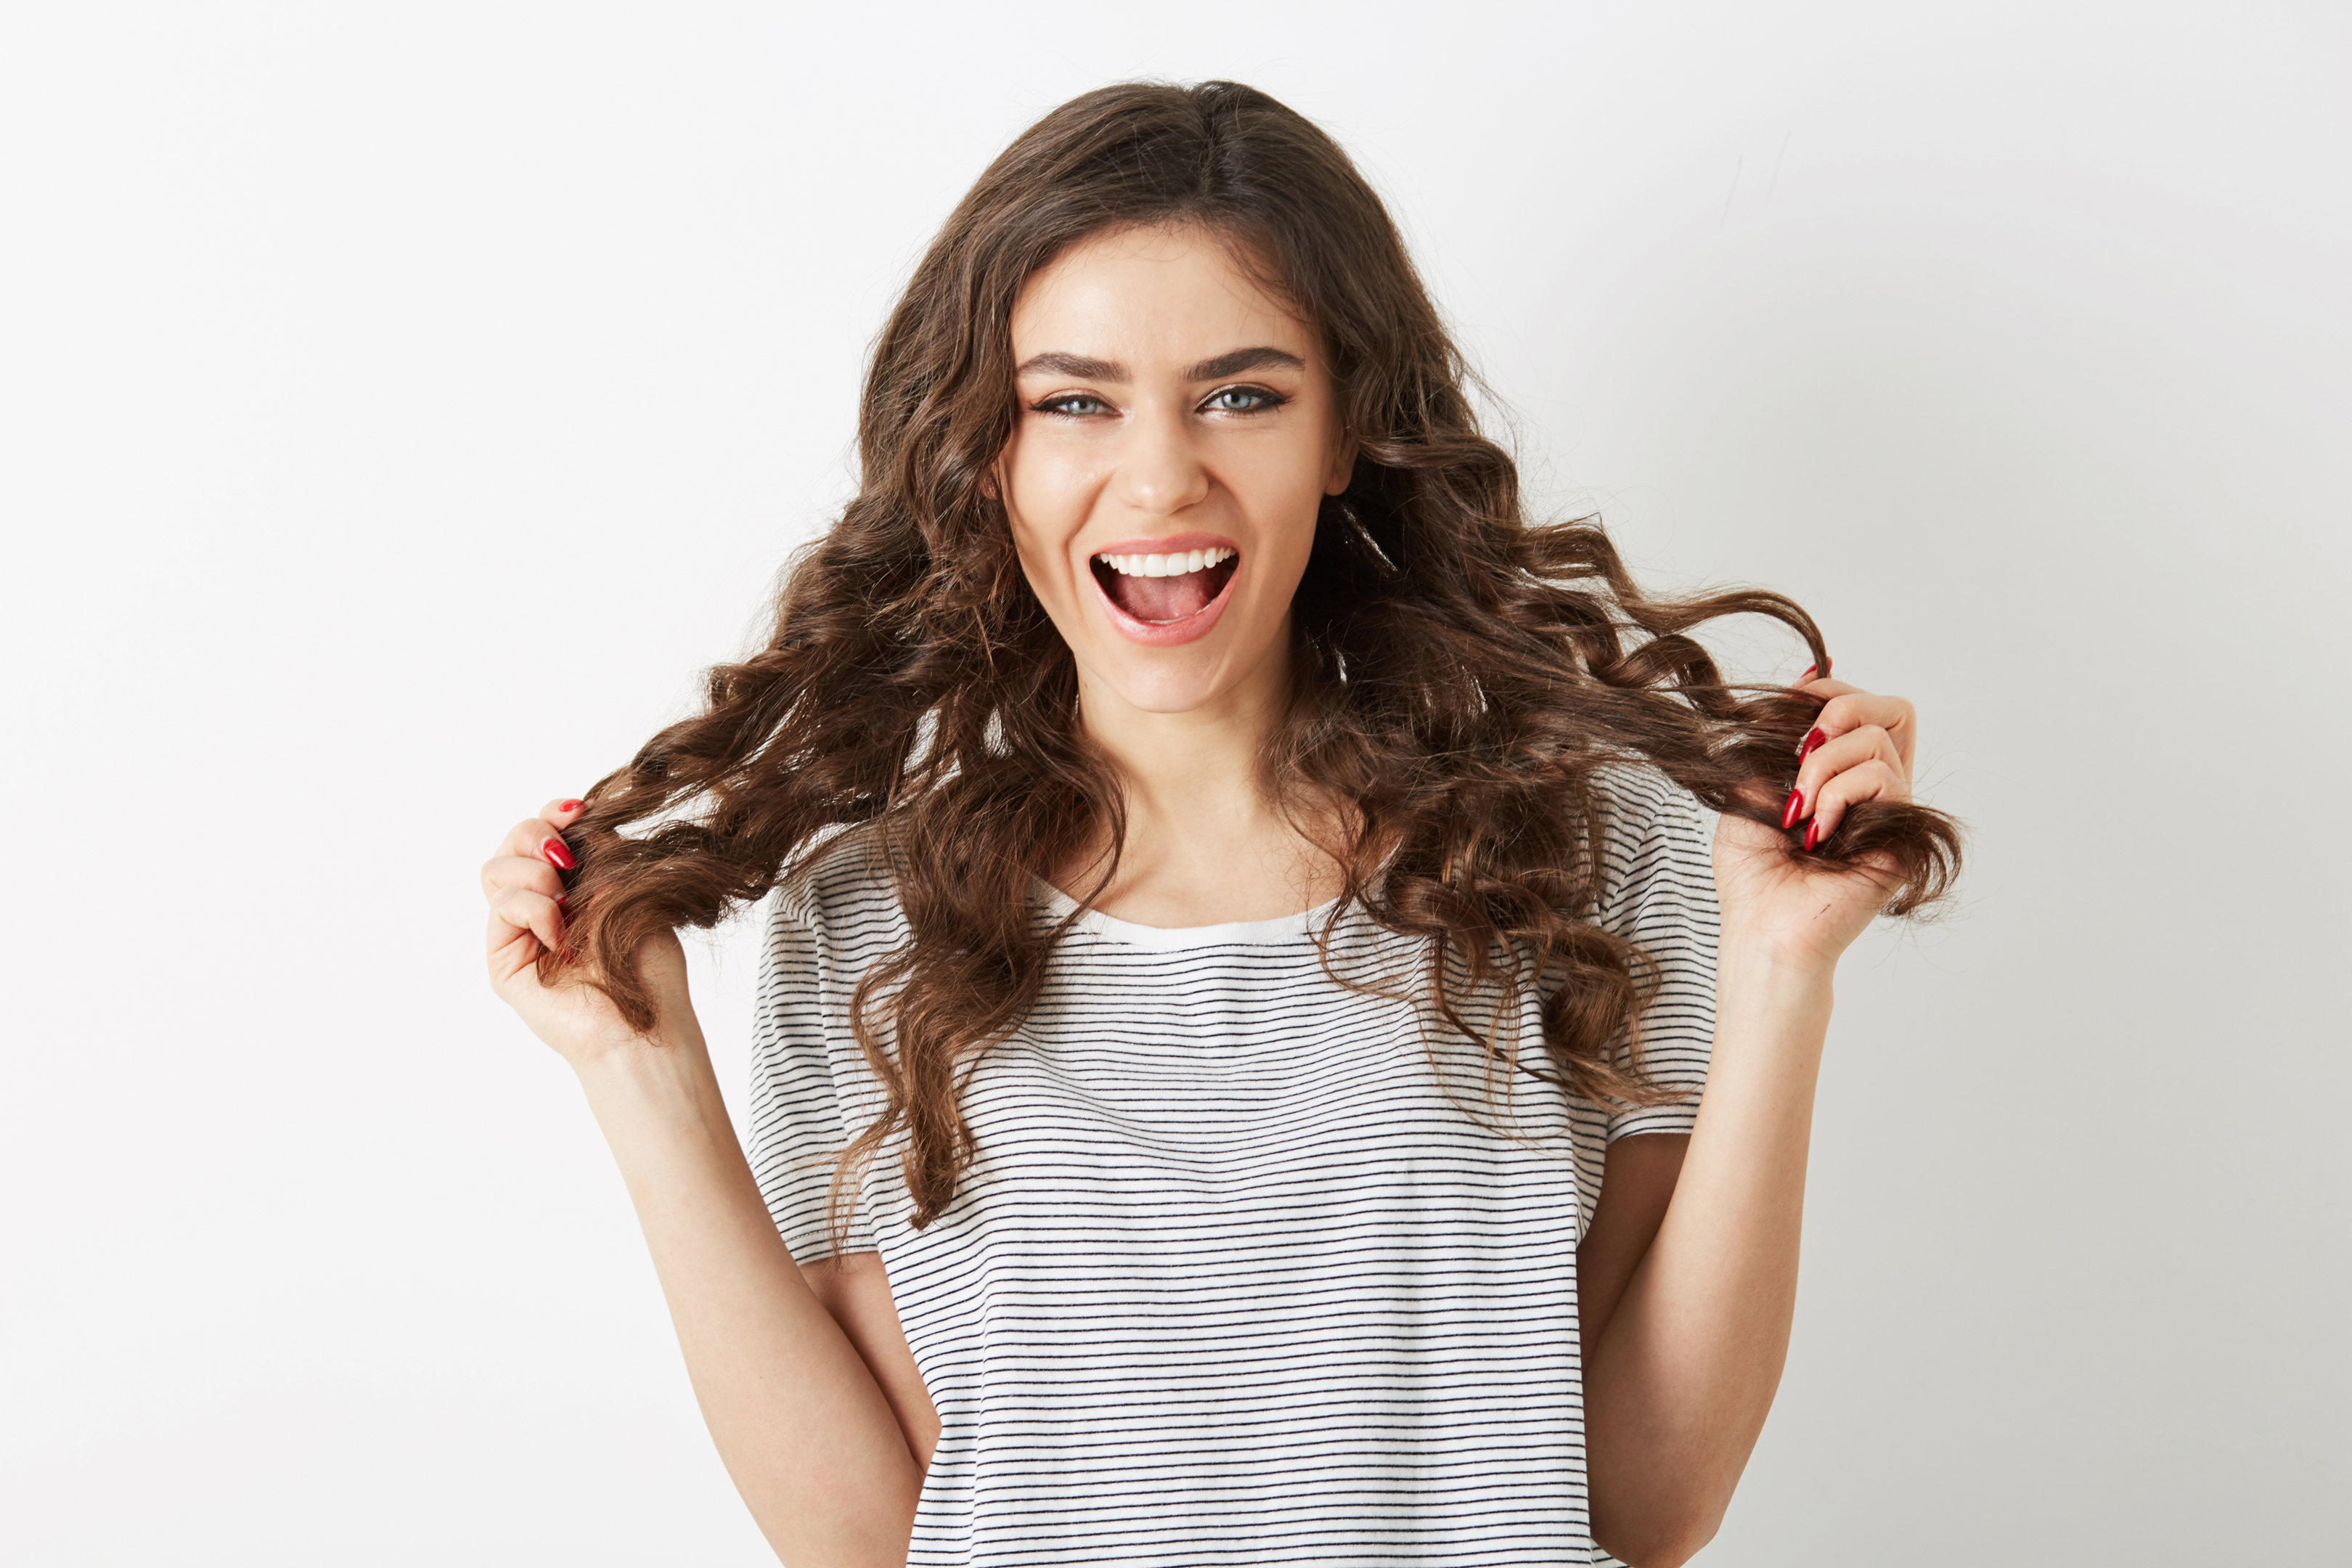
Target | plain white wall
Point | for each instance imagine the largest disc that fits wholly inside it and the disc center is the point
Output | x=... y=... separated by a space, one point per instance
x=399 y=404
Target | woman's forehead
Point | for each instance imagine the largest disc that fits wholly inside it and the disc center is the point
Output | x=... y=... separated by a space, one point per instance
x=1151 y=298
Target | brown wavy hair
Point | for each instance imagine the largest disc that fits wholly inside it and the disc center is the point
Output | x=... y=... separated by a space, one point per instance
x=1461 y=673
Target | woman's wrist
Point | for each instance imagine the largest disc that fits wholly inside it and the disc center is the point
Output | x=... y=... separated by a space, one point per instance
x=667 y=1068
x=1781 y=958
x=1759 y=973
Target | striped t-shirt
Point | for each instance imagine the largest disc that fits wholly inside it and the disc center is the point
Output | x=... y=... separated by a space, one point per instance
x=1250 y=1268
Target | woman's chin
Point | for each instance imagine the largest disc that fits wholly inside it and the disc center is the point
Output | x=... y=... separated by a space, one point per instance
x=1190 y=679
x=1164 y=690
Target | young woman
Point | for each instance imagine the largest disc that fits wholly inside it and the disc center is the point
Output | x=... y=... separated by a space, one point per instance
x=1253 y=913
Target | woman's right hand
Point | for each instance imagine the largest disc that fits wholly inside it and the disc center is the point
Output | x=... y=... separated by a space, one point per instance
x=526 y=899
x=801 y=1424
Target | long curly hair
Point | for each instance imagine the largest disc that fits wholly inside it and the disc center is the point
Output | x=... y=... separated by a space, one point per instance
x=1461 y=674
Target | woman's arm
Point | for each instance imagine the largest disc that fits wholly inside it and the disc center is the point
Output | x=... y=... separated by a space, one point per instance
x=1637 y=1184
x=1681 y=1374
x=1679 y=1381
x=799 y=1421
x=855 y=1288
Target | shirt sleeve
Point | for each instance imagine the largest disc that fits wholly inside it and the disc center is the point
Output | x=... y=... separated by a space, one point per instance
x=1658 y=894
x=799 y=1030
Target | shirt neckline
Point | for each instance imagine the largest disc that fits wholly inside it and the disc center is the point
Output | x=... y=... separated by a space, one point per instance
x=1300 y=926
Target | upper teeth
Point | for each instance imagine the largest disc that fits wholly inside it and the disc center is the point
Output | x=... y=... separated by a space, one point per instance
x=1172 y=565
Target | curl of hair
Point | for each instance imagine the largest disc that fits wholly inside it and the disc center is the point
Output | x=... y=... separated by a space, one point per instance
x=1462 y=673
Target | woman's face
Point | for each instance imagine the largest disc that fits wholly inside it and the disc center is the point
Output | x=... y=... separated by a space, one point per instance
x=1176 y=435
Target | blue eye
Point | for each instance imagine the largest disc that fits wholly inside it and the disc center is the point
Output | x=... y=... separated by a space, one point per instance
x=1244 y=400
x=1078 y=405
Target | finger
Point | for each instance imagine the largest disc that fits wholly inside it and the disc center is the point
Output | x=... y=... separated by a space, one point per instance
x=552 y=818
x=1874 y=780
x=517 y=871
x=515 y=911
x=1826 y=762
x=1850 y=708
x=1827 y=690
x=1850 y=750
x=511 y=952
x=1821 y=760
x=538 y=838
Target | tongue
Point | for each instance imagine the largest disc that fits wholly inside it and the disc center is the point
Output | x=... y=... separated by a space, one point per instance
x=1164 y=598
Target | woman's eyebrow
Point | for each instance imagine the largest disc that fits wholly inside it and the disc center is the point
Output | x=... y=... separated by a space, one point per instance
x=1234 y=361
x=1240 y=360
x=1078 y=365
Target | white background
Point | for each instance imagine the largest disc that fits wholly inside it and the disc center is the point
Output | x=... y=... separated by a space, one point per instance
x=400 y=403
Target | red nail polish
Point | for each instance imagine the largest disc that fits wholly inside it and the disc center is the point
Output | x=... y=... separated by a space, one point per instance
x=557 y=854
x=1814 y=741
x=1793 y=810
x=567 y=805
x=1812 y=834
x=1804 y=678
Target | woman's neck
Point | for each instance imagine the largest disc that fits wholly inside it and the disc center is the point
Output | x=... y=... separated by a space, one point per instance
x=1207 y=842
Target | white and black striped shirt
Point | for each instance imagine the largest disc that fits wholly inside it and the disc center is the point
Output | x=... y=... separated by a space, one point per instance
x=1251 y=1267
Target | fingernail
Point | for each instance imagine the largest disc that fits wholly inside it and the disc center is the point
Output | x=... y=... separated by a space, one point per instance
x=567 y=805
x=1804 y=678
x=1814 y=740
x=1793 y=810
x=557 y=854
x=561 y=899
x=1812 y=834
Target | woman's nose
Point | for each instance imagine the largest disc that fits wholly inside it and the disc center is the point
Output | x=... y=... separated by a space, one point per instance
x=1160 y=472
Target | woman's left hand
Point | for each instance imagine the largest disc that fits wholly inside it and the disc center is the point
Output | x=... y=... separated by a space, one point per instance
x=1859 y=749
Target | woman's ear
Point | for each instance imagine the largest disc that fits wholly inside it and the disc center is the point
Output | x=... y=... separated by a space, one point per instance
x=1343 y=464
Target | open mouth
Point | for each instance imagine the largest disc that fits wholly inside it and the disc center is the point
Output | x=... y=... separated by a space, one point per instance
x=1160 y=590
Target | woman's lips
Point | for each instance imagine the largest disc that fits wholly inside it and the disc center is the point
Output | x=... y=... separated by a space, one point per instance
x=1163 y=585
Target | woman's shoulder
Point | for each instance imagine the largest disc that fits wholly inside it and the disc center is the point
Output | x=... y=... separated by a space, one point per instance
x=1656 y=838
x=838 y=885
x=1635 y=799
